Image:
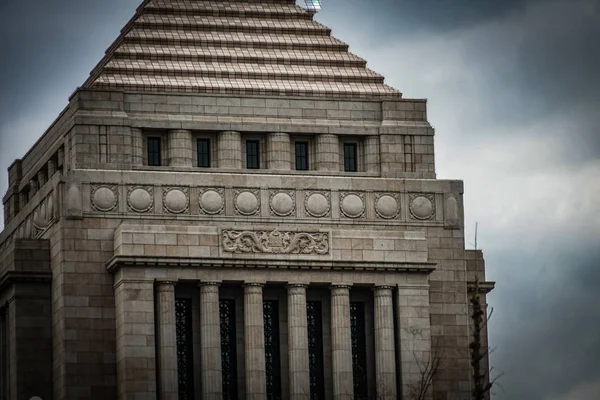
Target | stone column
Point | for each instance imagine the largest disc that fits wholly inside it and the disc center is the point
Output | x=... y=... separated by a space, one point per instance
x=298 y=343
x=372 y=155
x=167 y=341
x=41 y=177
x=180 y=148
x=278 y=151
x=328 y=153
x=210 y=341
x=341 y=343
x=137 y=147
x=385 y=354
x=254 y=342
x=61 y=158
x=33 y=188
x=51 y=168
x=23 y=199
x=230 y=150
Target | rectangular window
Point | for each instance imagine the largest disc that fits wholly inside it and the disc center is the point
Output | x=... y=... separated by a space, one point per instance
x=228 y=349
x=359 y=348
x=301 y=156
x=314 y=323
x=185 y=351
x=272 y=353
x=154 y=151
x=350 y=162
x=252 y=154
x=204 y=153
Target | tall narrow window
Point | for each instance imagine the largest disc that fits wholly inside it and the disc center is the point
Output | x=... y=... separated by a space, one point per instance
x=252 y=154
x=315 y=349
x=359 y=349
x=154 y=151
x=301 y=156
x=350 y=162
x=228 y=349
x=185 y=353
x=272 y=353
x=203 y=153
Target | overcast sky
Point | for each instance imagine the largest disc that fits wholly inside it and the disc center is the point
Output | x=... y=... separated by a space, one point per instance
x=514 y=95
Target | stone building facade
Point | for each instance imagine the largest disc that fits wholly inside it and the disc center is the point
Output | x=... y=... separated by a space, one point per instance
x=233 y=206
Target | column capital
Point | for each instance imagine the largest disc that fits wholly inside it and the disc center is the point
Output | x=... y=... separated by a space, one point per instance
x=253 y=284
x=165 y=286
x=382 y=288
x=296 y=285
x=340 y=290
x=208 y=283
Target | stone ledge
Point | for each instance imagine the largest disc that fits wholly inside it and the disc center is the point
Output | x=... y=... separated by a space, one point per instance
x=120 y=261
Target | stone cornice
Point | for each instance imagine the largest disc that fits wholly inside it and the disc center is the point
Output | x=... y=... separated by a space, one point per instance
x=484 y=287
x=118 y=262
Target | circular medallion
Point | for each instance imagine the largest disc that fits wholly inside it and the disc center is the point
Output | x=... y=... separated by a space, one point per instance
x=387 y=207
x=140 y=200
x=352 y=206
x=176 y=201
x=421 y=207
x=246 y=203
x=211 y=202
x=317 y=205
x=282 y=204
x=104 y=199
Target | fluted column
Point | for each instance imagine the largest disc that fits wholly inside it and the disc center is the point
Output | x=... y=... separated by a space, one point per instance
x=210 y=341
x=230 y=150
x=298 y=343
x=278 y=151
x=254 y=342
x=385 y=354
x=372 y=154
x=341 y=343
x=328 y=153
x=180 y=148
x=167 y=341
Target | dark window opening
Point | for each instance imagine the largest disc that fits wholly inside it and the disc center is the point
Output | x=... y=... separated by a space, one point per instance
x=315 y=350
x=301 y=156
x=185 y=351
x=272 y=351
x=228 y=349
x=359 y=349
x=154 y=151
x=203 y=153
x=252 y=154
x=350 y=162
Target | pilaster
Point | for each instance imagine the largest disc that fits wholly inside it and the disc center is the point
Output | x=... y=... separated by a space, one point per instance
x=167 y=341
x=180 y=148
x=230 y=150
x=278 y=151
x=328 y=149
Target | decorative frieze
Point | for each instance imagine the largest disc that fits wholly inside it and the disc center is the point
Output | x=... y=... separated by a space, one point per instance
x=275 y=242
x=352 y=205
x=247 y=201
x=211 y=201
x=176 y=200
x=422 y=206
x=104 y=197
x=282 y=203
x=317 y=203
x=140 y=199
x=387 y=205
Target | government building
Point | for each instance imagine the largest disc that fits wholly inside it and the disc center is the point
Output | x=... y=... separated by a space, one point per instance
x=233 y=206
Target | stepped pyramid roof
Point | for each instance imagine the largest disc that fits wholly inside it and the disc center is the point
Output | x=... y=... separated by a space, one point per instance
x=266 y=47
